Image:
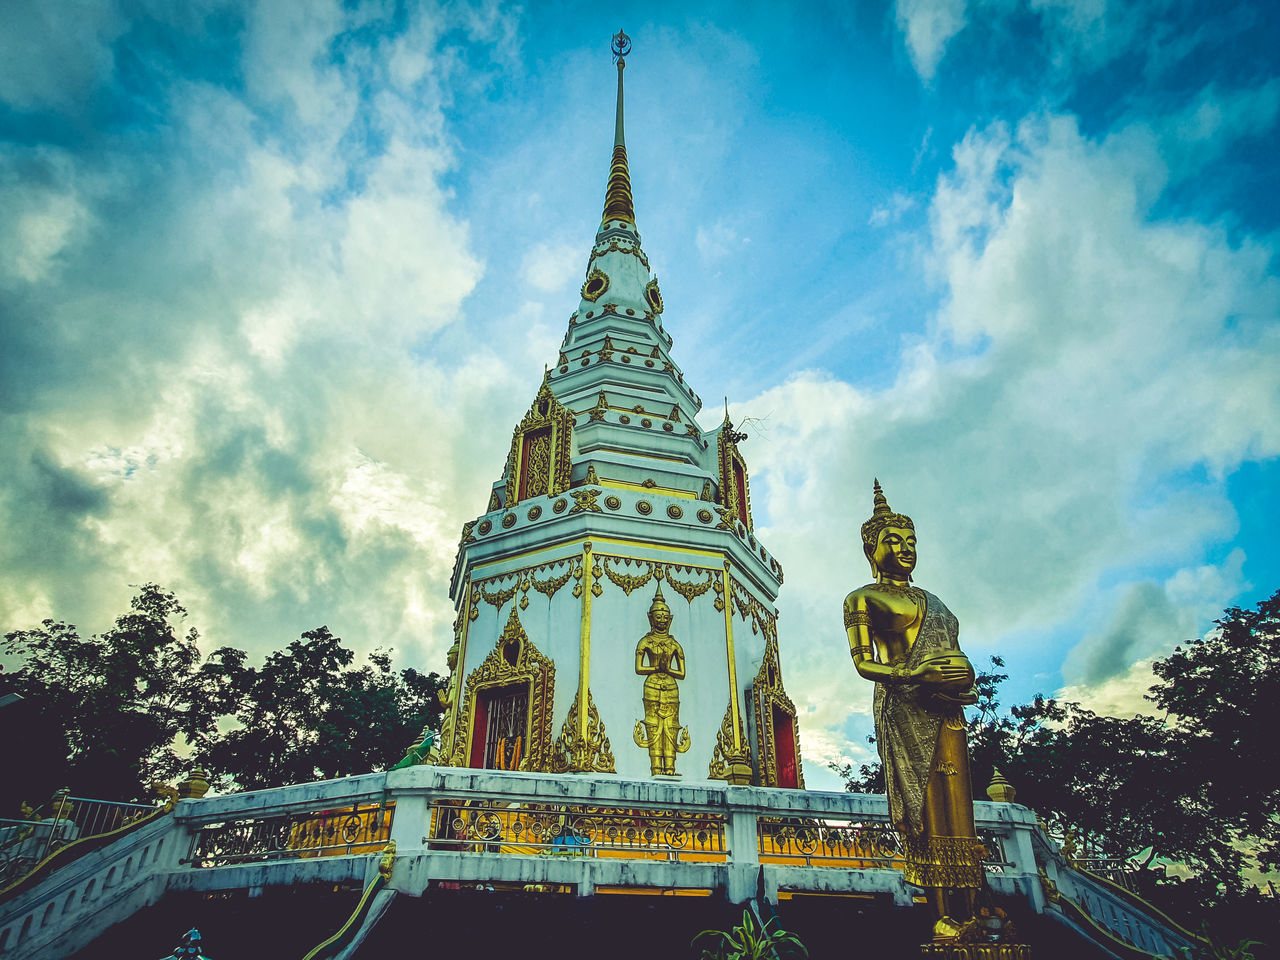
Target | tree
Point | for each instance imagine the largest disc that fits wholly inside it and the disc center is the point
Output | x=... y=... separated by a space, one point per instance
x=115 y=703
x=1222 y=694
x=135 y=704
x=307 y=714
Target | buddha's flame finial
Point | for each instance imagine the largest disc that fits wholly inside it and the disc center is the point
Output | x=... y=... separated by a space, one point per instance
x=618 y=204
x=878 y=500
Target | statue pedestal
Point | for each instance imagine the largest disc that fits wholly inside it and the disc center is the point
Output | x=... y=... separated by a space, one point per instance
x=976 y=951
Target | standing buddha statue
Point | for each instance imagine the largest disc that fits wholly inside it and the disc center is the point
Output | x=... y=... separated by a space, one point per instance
x=660 y=660
x=904 y=639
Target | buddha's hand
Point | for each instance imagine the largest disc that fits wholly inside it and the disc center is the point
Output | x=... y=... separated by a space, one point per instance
x=953 y=673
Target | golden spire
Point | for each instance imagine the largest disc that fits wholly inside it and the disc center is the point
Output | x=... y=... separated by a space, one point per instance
x=879 y=501
x=659 y=600
x=1001 y=790
x=618 y=204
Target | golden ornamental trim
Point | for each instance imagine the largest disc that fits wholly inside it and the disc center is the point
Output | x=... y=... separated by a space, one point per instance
x=545 y=468
x=597 y=283
x=498 y=598
x=979 y=951
x=748 y=606
x=585 y=500
x=653 y=296
x=726 y=762
x=628 y=582
x=690 y=589
x=596 y=413
x=513 y=659
x=767 y=692
x=573 y=754
x=943 y=861
x=616 y=246
x=551 y=586
x=735 y=501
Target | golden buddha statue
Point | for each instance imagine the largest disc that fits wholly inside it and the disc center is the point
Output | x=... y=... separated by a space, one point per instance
x=660 y=660
x=904 y=639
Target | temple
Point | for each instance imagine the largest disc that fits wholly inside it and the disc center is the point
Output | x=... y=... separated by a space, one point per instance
x=615 y=501
x=618 y=765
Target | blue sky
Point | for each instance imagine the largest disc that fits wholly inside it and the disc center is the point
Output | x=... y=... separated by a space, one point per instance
x=277 y=279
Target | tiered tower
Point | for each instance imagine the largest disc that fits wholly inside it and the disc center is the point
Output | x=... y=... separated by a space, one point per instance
x=615 y=608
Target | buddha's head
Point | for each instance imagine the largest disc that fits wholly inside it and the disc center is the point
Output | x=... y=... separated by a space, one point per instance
x=889 y=540
x=659 y=612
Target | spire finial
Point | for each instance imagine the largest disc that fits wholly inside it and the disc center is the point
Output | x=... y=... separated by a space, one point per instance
x=618 y=204
x=880 y=503
x=659 y=601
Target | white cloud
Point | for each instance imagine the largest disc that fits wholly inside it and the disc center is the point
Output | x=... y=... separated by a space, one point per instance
x=227 y=394
x=1121 y=695
x=892 y=210
x=1087 y=356
x=717 y=240
x=928 y=26
x=549 y=268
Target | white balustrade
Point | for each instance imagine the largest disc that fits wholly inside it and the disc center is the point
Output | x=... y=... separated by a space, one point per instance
x=458 y=827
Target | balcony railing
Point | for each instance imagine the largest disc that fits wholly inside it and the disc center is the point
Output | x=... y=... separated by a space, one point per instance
x=495 y=826
x=362 y=828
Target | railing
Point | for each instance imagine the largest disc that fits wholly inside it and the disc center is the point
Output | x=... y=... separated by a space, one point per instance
x=319 y=833
x=1123 y=873
x=1100 y=894
x=25 y=843
x=493 y=826
x=855 y=843
x=578 y=834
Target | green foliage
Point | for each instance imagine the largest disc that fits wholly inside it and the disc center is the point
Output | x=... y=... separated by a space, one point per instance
x=1211 y=949
x=748 y=941
x=113 y=708
x=1223 y=695
x=307 y=714
x=115 y=703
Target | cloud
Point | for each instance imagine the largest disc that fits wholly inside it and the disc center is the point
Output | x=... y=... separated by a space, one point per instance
x=1093 y=375
x=551 y=268
x=1120 y=695
x=52 y=55
x=928 y=26
x=211 y=352
x=892 y=210
x=1151 y=618
x=716 y=241
x=1059 y=40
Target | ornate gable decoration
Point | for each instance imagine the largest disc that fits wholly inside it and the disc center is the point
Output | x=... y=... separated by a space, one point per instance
x=513 y=660
x=767 y=693
x=539 y=462
x=735 y=488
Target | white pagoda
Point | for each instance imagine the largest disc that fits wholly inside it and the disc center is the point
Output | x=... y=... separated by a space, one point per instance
x=615 y=607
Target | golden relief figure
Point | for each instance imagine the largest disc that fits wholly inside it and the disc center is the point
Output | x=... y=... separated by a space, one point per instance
x=660 y=660
x=904 y=639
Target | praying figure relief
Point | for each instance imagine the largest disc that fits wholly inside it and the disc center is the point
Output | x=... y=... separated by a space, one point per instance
x=660 y=660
